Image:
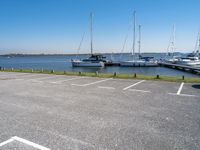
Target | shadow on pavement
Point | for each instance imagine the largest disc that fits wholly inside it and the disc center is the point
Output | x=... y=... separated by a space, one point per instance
x=196 y=86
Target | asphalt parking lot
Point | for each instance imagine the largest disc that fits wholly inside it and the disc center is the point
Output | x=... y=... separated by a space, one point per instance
x=39 y=111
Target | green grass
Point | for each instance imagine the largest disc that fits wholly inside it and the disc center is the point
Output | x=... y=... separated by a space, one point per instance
x=108 y=75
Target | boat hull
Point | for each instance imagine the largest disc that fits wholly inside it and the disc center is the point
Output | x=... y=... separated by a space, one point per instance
x=87 y=64
x=138 y=64
x=189 y=63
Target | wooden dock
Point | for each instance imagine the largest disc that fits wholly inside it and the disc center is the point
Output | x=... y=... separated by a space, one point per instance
x=181 y=67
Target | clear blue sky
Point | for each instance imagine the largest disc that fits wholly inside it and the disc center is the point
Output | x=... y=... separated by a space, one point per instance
x=56 y=26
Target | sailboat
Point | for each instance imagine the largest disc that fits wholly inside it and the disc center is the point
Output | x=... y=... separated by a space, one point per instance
x=193 y=58
x=95 y=60
x=171 y=48
x=140 y=61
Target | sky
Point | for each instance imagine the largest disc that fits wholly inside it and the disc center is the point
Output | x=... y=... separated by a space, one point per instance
x=57 y=26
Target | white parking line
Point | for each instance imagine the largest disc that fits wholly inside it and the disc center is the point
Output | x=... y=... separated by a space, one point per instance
x=91 y=83
x=36 y=81
x=30 y=143
x=43 y=78
x=106 y=87
x=60 y=81
x=31 y=75
x=182 y=95
x=135 y=90
x=6 y=142
x=13 y=74
x=15 y=138
x=126 y=88
x=180 y=89
x=18 y=79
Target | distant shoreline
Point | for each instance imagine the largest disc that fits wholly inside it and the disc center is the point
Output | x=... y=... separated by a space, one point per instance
x=14 y=55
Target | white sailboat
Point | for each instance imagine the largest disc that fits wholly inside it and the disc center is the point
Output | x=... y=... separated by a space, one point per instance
x=95 y=60
x=171 y=48
x=193 y=58
x=140 y=61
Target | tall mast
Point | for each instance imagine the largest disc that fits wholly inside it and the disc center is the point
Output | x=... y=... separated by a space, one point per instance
x=173 y=41
x=199 y=44
x=134 y=25
x=91 y=32
x=139 y=42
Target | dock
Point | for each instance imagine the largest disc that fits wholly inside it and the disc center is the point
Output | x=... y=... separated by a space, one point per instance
x=181 y=67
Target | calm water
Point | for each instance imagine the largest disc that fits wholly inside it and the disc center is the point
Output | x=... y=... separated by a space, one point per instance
x=62 y=63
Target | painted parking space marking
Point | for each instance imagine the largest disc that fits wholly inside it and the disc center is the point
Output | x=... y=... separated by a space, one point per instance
x=21 y=140
x=135 y=90
x=126 y=88
x=37 y=79
x=96 y=82
x=106 y=87
x=187 y=95
x=6 y=142
x=44 y=78
x=180 y=89
x=178 y=93
x=65 y=80
x=13 y=74
x=32 y=75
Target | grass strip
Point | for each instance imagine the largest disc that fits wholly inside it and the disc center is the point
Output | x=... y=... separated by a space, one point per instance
x=109 y=75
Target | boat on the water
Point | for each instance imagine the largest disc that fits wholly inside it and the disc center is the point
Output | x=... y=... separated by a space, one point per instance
x=142 y=62
x=170 y=55
x=95 y=60
x=191 y=59
x=138 y=61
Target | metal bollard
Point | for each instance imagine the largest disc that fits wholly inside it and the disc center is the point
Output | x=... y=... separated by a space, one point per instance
x=64 y=72
x=12 y=69
x=115 y=74
x=183 y=77
x=52 y=71
x=31 y=70
x=79 y=73
x=97 y=73
x=157 y=76
x=135 y=75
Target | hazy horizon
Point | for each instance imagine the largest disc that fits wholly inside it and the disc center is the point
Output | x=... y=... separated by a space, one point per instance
x=56 y=27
